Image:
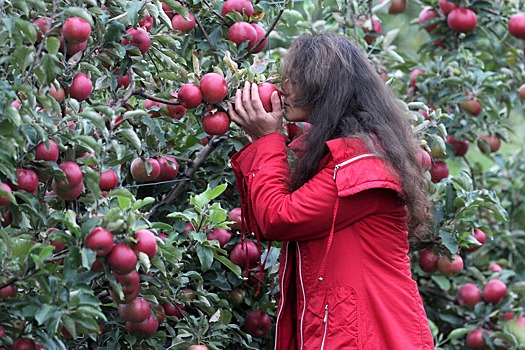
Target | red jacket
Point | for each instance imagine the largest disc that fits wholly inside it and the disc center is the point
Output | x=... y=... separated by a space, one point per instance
x=345 y=274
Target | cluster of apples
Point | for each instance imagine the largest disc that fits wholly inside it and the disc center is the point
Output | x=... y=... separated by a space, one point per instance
x=431 y=261
x=121 y=259
x=73 y=38
x=68 y=188
x=164 y=168
x=242 y=31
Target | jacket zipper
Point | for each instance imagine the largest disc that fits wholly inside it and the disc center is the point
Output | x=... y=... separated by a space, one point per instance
x=351 y=160
x=304 y=296
x=282 y=296
x=325 y=326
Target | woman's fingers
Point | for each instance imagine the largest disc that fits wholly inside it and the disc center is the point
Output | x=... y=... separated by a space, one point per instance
x=276 y=103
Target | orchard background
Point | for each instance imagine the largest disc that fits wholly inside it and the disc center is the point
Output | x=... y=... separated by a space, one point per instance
x=120 y=220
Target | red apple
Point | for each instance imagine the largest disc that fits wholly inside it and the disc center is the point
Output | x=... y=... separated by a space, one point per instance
x=24 y=344
x=238 y=6
x=173 y=310
x=8 y=292
x=100 y=240
x=139 y=38
x=146 y=242
x=213 y=87
x=198 y=347
x=41 y=23
x=131 y=295
x=492 y=141
x=424 y=160
x=240 y=32
x=153 y=107
x=147 y=22
x=235 y=215
x=479 y=236
x=217 y=123
x=59 y=95
x=97 y=266
x=471 y=106
x=521 y=91
x=265 y=93
x=219 y=234
x=428 y=14
x=144 y=329
x=80 y=88
x=176 y=111
x=6 y=219
x=129 y=282
x=469 y=295
x=74 y=48
x=190 y=95
x=439 y=171
x=413 y=77
x=428 y=260
x=462 y=20
x=136 y=311
x=447 y=6
x=43 y=152
x=168 y=10
x=123 y=81
x=261 y=32
x=169 y=168
x=494 y=291
x=76 y=30
x=67 y=193
x=397 y=6
x=244 y=254
x=140 y=173
x=370 y=26
x=27 y=181
x=108 y=180
x=475 y=340
x=257 y=323
x=460 y=146
x=122 y=259
x=182 y=24
x=450 y=267
x=73 y=175
x=517 y=26
x=495 y=267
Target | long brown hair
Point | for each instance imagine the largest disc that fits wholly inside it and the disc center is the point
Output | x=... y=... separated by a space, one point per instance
x=345 y=97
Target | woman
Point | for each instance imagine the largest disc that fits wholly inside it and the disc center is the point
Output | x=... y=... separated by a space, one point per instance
x=345 y=212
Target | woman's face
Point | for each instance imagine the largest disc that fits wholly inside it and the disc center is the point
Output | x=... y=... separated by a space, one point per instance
x=292 y=113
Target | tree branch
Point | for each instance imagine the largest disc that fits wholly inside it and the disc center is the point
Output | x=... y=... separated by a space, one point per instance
x=143 y=93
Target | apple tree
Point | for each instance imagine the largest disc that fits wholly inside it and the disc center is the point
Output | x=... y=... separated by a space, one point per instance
x=120 y=220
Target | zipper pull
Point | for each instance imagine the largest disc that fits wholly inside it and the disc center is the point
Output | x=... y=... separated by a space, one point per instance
x=335 y=170
x=325 y=314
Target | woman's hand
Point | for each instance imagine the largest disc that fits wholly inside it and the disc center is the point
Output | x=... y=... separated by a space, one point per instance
x=250 y=115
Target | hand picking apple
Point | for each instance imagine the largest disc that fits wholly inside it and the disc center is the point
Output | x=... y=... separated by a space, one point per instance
x=250 y=115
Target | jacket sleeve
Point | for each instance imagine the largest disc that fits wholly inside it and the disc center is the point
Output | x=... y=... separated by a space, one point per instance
x=305 y=214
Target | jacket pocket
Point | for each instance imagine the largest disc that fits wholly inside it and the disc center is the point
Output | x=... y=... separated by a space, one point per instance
x=330 y=320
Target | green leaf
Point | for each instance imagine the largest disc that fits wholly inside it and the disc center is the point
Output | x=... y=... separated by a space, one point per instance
x=458 y=332
x=442 y=281
x=89 y=142
x=114 y=32
x=44 y=312
x=124 y=202
x=132 y=8
x=226 y=262
x=449 y=241
x=217 y=191
x=142 y=203
x=132 y=137
x=27 y=28
x=205 y=255
x=52 y=45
